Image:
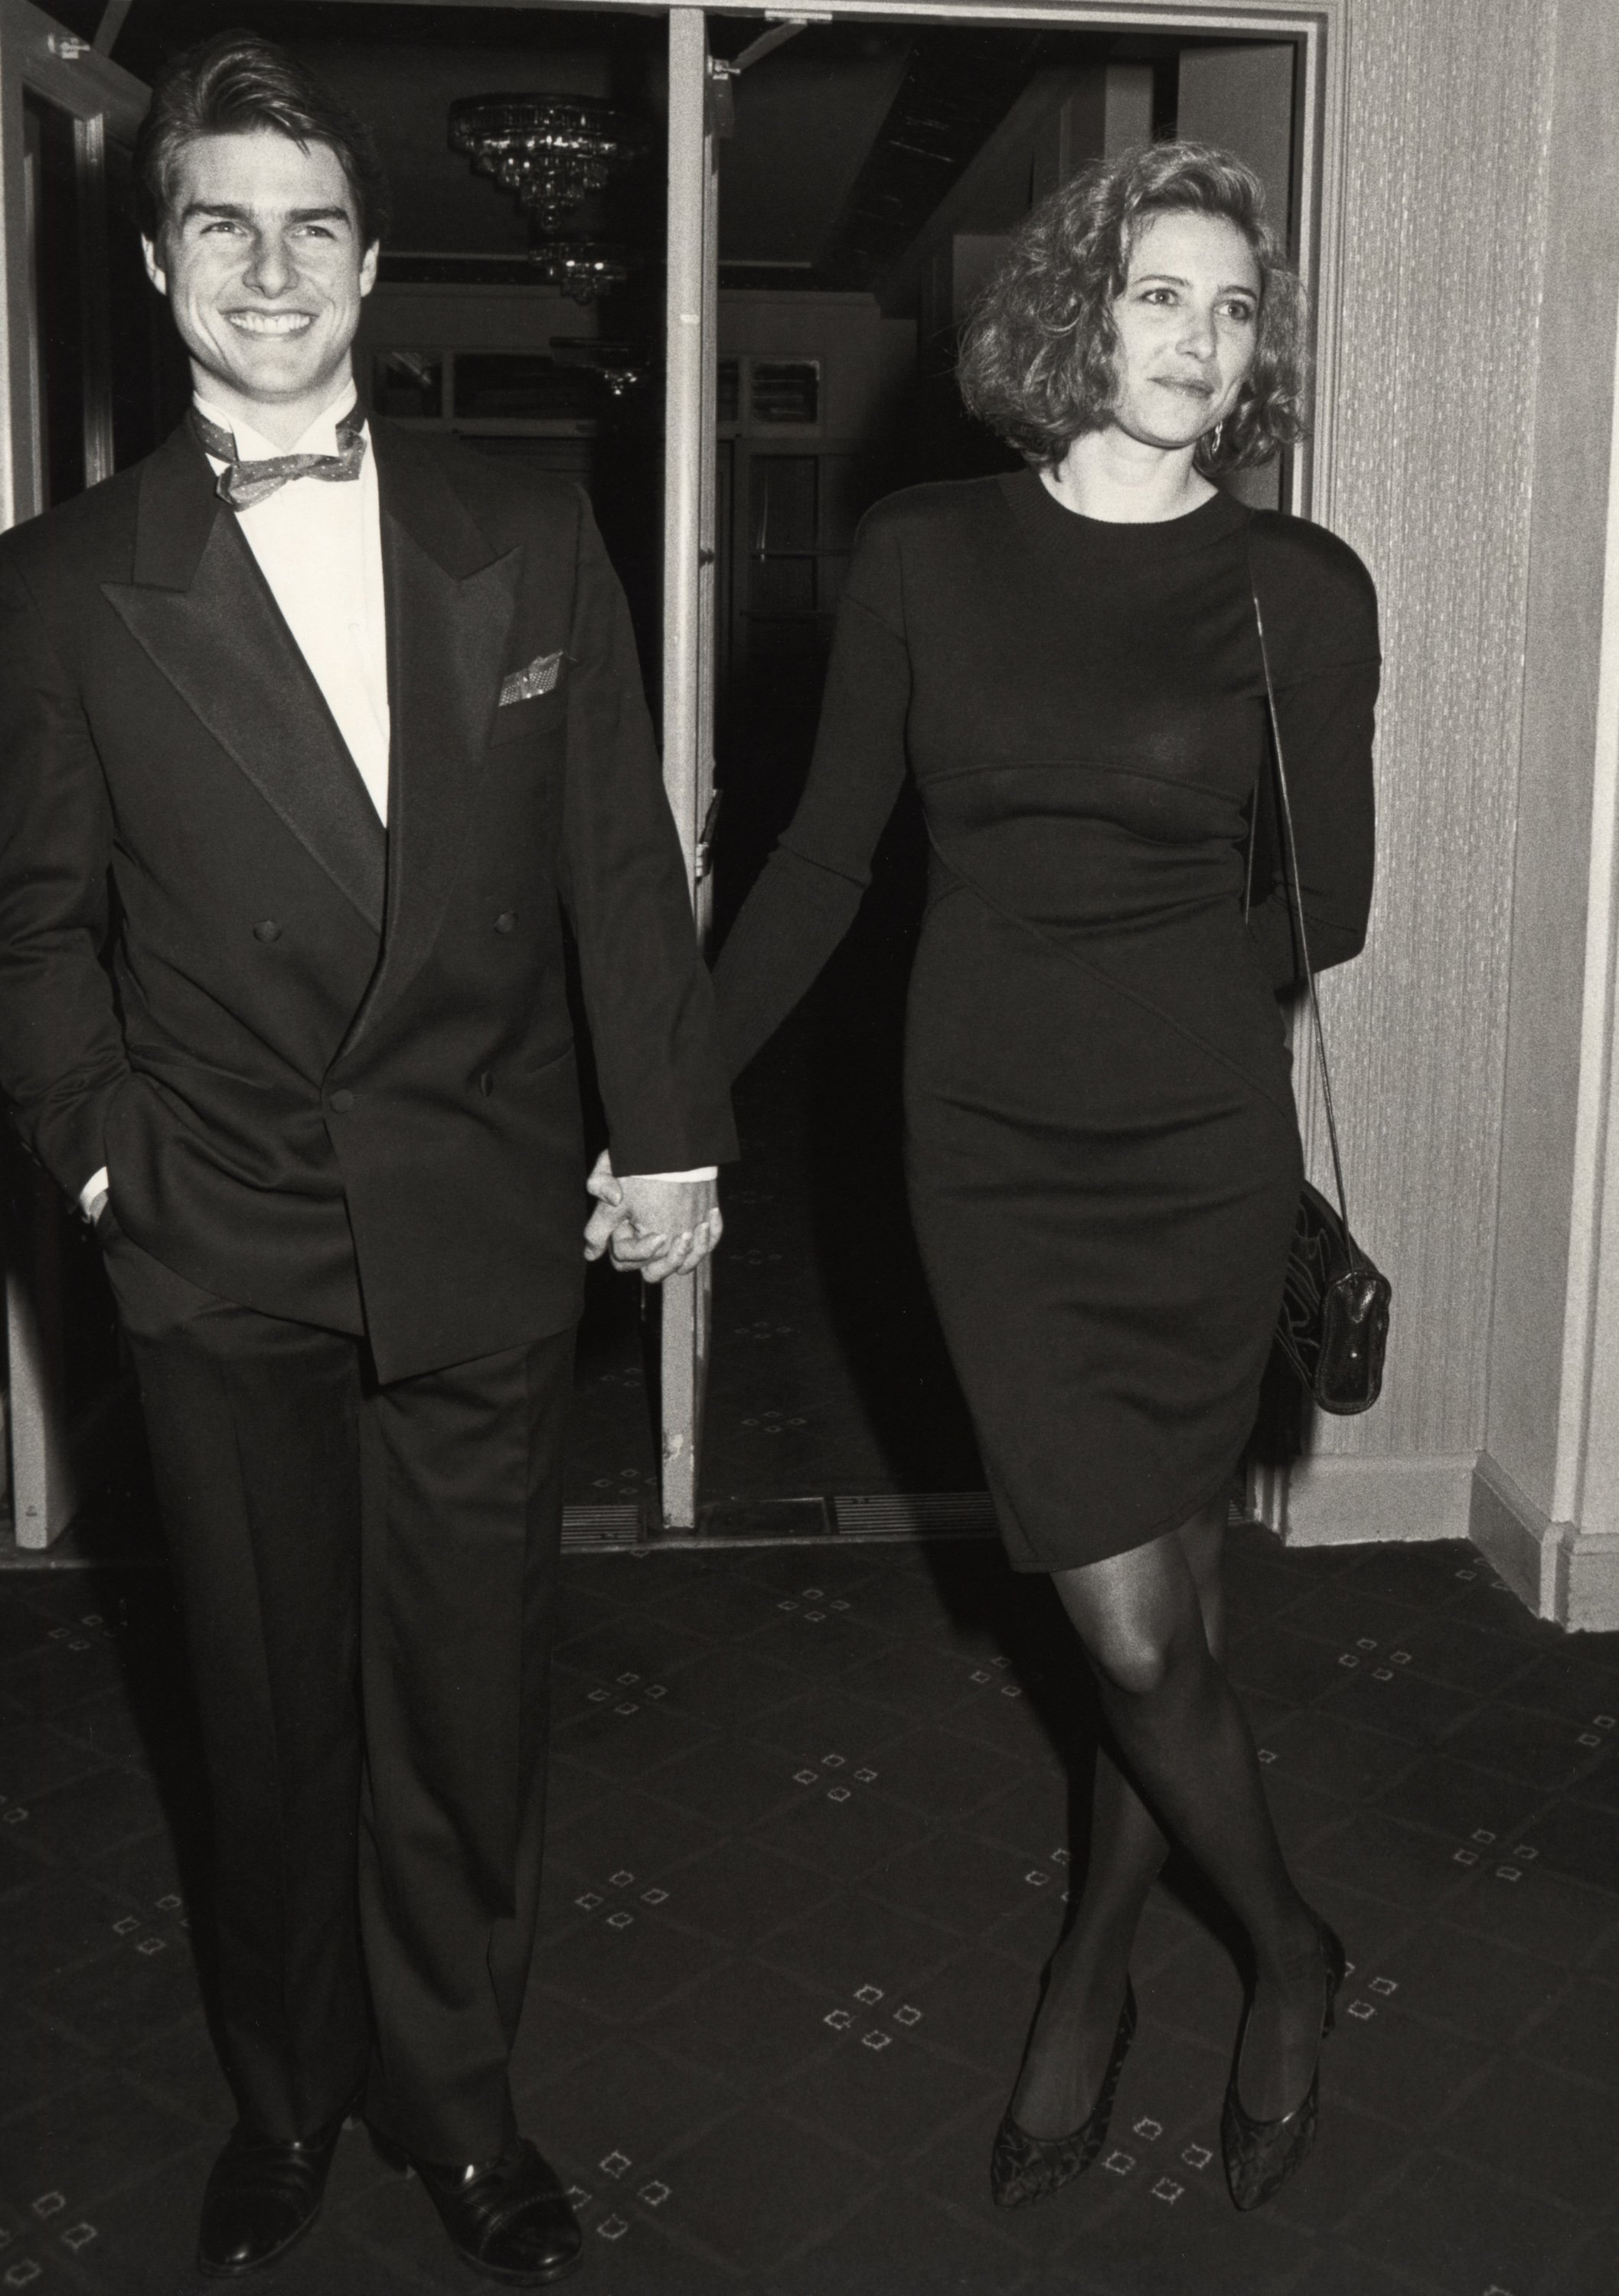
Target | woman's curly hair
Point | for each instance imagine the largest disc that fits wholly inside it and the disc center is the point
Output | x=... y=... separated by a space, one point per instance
x=1038 y=353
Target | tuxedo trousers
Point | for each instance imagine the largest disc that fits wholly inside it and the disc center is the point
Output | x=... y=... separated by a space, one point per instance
x=367 y=1575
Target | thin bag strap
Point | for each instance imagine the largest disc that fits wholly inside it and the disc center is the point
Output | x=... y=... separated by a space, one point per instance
x=1296 y=890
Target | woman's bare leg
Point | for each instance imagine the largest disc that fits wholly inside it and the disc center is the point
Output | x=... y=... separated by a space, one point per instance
x=1074 y=2036
x=1189 y=1750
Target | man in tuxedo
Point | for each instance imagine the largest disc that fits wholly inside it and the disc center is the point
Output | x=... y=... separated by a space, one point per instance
x=313 y=732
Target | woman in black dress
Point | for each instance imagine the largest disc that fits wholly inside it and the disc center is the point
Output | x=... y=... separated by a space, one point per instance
x=1102 y=1152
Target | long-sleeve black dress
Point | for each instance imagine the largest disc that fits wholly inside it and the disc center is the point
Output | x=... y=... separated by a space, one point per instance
x=1102 y=1150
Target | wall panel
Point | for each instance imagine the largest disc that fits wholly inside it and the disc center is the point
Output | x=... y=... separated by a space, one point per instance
x=1448 y=105
x=1555 y=1024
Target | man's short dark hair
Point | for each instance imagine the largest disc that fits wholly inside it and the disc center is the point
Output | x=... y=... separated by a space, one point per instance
x=1038 y=355
x=234 y=84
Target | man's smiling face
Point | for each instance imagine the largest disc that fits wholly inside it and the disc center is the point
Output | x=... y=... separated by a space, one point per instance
x=259 y=256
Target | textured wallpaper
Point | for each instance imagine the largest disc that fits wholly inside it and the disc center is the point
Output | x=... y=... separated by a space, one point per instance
x=1427 y=474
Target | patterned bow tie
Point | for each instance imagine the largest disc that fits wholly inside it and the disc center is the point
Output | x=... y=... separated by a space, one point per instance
x=243 y=484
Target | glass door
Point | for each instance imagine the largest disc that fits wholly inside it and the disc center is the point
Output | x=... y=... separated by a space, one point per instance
x=695 y=92
x=82 y=391
x=700 y=116
x=68 y=117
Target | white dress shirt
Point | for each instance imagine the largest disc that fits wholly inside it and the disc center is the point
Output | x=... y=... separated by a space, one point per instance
x=319 y=546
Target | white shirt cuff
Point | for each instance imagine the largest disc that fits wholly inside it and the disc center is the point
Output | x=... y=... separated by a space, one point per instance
x=93 y=1186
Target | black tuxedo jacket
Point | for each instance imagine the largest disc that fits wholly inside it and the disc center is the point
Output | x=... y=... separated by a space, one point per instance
x=329 y=1067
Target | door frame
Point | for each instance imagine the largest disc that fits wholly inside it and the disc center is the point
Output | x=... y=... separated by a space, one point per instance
x=40 y=57
x=1323 y=30
x=1319 y=32
x=690 y=549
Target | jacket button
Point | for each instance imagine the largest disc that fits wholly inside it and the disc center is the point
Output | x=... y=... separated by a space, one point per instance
x=268 y=930
x=343 y=1101
x=486 y=1082
x=505 y=921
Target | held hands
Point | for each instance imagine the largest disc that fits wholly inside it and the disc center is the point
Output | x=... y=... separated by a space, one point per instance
x=663 y=1227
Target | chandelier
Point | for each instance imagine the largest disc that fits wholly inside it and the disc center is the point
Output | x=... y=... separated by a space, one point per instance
x=583 y=268
x=619 y=366
x=550 y=152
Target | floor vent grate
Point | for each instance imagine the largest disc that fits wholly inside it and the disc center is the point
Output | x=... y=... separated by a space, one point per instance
x=917 y=1514
x=895 y=1516
x=586 y=1529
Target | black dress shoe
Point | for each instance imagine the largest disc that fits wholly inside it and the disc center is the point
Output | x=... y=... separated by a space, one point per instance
x=508 y=2218
x=262 y=2196
x=1025 y=2168
x=1261 y=2155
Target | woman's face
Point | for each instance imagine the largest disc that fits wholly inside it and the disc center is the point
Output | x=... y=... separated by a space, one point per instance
x=1187 y=321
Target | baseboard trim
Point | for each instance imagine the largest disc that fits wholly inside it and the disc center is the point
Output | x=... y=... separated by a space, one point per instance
x=1337 y=1501
x=1512 y=1534
x=1563 y=1573
x=1557 y=1571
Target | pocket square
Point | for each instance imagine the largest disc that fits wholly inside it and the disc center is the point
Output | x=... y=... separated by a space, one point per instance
x=540 y=675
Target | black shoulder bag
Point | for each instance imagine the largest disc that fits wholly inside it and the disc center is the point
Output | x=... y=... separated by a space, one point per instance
x=1333 y=1327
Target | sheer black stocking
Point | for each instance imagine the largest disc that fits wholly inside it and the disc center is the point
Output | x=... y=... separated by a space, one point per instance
x=1068 y=2051
x=1151 y=1625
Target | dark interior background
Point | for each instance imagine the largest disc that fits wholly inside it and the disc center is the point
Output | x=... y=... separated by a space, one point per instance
x=871 y=175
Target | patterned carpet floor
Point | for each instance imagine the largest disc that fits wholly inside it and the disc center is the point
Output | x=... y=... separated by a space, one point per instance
x=814 y=1815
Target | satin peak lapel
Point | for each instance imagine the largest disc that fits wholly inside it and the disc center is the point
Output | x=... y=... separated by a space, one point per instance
x=447 y=628
x=224 y=646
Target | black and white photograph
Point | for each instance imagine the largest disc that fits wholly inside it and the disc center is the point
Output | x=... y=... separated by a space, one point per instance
x=809 y=1038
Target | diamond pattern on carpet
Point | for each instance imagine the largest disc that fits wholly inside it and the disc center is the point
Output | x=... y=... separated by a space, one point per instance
x=813 y=1822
